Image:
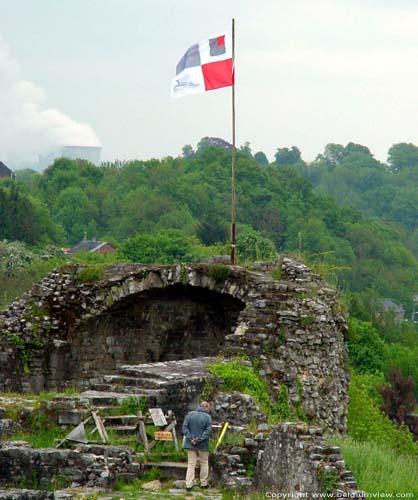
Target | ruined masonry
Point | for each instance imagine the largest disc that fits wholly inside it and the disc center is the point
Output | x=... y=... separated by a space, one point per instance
x=135 y=330
x=74 y=331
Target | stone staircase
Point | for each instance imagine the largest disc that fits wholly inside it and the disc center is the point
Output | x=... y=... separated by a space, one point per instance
x=170 y=385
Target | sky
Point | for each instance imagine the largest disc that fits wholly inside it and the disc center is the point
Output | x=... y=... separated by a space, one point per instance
x=308 y=73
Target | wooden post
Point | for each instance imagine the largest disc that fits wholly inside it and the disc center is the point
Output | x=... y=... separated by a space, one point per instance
x=233 y=253
x=142 y=433
x=100 y=427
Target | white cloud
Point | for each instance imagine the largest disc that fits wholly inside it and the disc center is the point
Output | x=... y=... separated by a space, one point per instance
x=27 y=126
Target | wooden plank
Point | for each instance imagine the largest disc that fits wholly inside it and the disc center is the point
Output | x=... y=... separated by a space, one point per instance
x=176 y=443
x=100 y=427
x=142 y=434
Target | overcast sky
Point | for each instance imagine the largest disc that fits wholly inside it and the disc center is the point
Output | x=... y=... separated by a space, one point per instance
x=307 y=73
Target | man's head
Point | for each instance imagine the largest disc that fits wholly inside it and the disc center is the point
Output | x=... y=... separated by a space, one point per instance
x=205 y=405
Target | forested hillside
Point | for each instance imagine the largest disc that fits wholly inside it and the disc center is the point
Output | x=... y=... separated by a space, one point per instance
x=350 y=217
x=387 y=192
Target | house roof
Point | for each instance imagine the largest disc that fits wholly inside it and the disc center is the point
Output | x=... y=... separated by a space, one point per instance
x=87 y=246
x=5 y=171
x=391 y=304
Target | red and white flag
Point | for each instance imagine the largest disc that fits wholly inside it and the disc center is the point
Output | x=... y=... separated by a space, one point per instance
x=206 y=65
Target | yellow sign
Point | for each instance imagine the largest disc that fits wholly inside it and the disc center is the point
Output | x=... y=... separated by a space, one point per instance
x=163 y=436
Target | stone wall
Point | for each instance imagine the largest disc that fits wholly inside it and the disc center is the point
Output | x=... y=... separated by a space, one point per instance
x=72 y=326
x=87 y=465
x=297 y=459
x=236 y=408
x=173 y=323
x=23 y=494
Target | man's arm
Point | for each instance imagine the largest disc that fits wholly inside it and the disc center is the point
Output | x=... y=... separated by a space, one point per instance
x=185 y=428
x=207 y=430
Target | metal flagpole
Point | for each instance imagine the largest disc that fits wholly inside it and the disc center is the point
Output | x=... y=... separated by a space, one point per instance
x=233 y=256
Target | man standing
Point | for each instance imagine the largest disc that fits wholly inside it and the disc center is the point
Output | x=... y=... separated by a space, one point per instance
x=197 y=427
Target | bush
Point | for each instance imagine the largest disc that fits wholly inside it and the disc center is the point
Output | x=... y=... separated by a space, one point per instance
x=168 y=246
x=365 y=347
x=242 y=378
x=219 y=273
x=237 y=377
x=397 y=356
x=367 y=423
x=398 y=396
x=253 y=246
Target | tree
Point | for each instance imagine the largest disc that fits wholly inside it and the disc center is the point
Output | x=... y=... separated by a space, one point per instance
x=261 y=158
x=398 y=396
x=333 y=154
x=356 y=148
x=74 y=211
x=30 y=178
x=245 y=150
x=253 y=246
x=188 y=151
x=23 y=218
x=365 y=347
x=402 y=155
x=286 y=156
x=168 y=246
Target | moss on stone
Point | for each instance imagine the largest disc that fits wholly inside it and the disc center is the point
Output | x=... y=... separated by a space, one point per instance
x=219 y=273
x=18 y=343
x=90 y=273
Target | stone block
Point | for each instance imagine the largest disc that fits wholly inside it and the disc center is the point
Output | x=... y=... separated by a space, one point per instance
x=69 y=417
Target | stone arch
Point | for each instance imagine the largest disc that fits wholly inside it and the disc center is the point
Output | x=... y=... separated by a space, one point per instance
x=159 y=316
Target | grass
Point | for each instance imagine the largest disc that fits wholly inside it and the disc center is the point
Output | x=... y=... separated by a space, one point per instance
x=377 y=468
x=130 y=406
x=13 y=284
x=42 y=438
x=238 y=377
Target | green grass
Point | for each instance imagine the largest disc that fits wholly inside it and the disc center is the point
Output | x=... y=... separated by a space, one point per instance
x=238 y=377
x=13 y=284
x=42 y=438
x=378 y=468
x=131 y=406
x=245 y=379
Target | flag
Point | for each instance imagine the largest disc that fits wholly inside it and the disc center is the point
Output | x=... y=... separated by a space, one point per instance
x=206 y=65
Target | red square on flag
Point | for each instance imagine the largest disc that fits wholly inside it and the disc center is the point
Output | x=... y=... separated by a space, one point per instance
x=218 y=74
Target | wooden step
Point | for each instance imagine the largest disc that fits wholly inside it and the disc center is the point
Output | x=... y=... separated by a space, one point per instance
x=123 y=429
x=120 y=420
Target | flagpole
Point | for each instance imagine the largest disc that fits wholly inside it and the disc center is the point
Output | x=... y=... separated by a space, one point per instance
x=233 y=256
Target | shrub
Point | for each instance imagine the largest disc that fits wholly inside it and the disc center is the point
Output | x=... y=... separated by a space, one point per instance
x=366 y=348
x=367 y=423
x=219 y=273
x=237 y=377
x=242 y=378
x=398 y=396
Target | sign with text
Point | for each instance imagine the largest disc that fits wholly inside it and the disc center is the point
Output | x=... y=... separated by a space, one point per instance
x=163 y=436
x=158 y=417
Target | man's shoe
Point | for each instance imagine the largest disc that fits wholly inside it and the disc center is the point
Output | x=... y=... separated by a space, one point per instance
x=205 y=487
x=189 y=489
